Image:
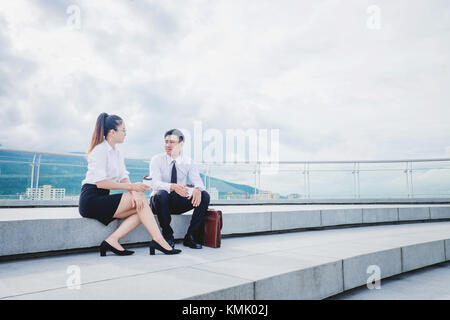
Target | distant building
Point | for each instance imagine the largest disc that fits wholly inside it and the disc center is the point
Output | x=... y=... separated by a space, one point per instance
x=74 y=198
x=213 y=193
x=45 y=192
x=265 y=195
x=235 y=196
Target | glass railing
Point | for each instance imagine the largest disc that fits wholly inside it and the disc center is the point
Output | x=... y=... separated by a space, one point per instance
x=34 y=178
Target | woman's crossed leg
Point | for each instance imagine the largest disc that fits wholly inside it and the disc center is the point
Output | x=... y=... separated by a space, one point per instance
x=133 y=216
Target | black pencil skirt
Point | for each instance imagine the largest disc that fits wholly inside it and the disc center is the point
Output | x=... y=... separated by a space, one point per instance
x=96 y=203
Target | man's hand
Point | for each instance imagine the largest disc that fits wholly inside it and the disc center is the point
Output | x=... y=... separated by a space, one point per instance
x=196 y=197
x=181 y=189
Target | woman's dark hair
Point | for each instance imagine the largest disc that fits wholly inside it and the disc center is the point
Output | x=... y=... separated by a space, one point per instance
x=104 y=124
x=175 y=132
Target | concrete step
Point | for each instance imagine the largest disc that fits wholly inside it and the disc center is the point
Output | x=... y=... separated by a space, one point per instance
x=25 y=231
x=311 y=264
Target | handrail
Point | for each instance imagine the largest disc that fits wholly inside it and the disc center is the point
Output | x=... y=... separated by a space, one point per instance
x=306 y=168
x=243 y=162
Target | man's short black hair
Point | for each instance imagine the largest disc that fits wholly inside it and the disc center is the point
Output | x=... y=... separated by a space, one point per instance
x=175 y=132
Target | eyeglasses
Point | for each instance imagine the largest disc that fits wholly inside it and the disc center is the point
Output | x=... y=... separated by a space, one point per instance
x=123 y=130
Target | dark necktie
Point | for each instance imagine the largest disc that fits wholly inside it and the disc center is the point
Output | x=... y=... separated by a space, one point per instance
x=173 y=178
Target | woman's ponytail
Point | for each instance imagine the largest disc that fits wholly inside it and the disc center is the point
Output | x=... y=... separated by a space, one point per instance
x=104 y=124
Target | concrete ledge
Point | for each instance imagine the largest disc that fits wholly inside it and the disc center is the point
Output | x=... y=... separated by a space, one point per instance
x=41 y=233
x=447 y=249
x=408 y=214
x=439 y=212
x=9 y=203
x=316 y=282
x=341 y=217
x=356 y=270
x=373 y=215
x=248 y=222
x=295 y=219
x=299 y=265
x=424 y=254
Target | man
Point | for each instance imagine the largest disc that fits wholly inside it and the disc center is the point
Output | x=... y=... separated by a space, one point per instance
x=170 y=195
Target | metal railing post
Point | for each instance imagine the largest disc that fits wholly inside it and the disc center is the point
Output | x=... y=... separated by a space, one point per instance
x=354 y=180
x=259 y=176
x=38 y=170
x=407 y=180
x=208 y=177
x=411 y=179
x=357 y=179
x=32 y=171
x=307 y=191
x=254 y=191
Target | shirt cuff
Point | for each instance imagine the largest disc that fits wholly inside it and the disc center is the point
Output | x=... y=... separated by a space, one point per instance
x=125 y=176
x=201 y=188
x=99 y=178
x=163 y=186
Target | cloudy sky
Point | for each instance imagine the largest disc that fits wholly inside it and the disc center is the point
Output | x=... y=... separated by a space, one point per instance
x=350 y=79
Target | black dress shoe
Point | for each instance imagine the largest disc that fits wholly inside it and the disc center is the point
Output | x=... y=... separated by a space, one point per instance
x=105 y=246
x=155 y=245
x=190 y=242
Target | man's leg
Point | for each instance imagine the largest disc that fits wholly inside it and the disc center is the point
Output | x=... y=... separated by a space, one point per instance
x=159 y=203
x=180 y=205
x=199 y=215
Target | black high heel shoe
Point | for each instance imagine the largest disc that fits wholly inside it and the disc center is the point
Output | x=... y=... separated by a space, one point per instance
x=104 y=246
x=155 y=245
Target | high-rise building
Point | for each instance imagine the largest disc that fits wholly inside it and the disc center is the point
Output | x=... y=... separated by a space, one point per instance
x=45 y=192
x=213 y=193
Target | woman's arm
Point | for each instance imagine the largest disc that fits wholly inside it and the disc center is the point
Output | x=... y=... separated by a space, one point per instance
x=137 y=202
x=124 y=184
x=111 y=185
x=135 y=186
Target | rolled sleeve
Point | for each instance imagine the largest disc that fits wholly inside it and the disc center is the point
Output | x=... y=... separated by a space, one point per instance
x=194 y=176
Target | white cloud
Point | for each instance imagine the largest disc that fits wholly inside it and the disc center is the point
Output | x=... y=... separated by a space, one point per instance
x=334 y=88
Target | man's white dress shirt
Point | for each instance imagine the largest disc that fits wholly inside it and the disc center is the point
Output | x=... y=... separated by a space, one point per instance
x=105 y=163
x=161 y=172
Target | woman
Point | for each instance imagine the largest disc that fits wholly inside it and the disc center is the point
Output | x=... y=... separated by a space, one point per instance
x=106 y=171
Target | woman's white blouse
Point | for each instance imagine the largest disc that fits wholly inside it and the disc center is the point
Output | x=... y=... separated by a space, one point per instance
x=105 y=163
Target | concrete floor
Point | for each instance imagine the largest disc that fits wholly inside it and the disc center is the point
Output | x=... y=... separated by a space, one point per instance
x=9 y=214
x=230 y=272
x=429 y=283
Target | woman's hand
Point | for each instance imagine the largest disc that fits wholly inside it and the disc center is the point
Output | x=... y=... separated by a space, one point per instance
x=181 y=189
x=139 y=187
x=138 y=200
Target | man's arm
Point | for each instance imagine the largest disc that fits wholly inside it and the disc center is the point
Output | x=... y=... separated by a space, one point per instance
x=194 y=176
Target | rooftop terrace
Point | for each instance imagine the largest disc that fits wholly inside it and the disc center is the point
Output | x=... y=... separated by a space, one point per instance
x=268 y=252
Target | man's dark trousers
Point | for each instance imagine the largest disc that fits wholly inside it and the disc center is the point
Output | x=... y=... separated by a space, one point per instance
x=164 y=204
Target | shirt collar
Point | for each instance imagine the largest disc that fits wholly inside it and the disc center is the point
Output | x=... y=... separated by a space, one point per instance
x=177 y=160
x=108 y=146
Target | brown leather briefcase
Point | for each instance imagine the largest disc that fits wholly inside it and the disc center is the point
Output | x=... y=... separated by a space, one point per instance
x=212 y=228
